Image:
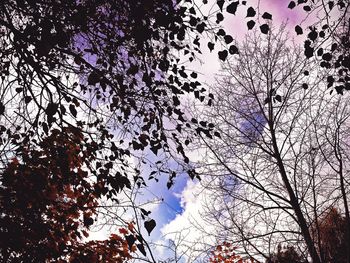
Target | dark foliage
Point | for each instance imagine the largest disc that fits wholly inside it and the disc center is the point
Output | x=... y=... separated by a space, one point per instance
x=48 y=203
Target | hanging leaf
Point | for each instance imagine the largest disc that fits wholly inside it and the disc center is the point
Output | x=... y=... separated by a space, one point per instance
x=251 y=12
x=267 y=16
x=233 y=50
x=223 y=55
x=307 y=8
x=141 y=248
x=278 y=98
x=232 y=8
x=291 y=5
x=150 y=225
x=228 y=39
x=130 y=239
x=211 y=46
x=2 y=108
x=298 y=30
x=93 y=78
x=220 y=3
x=250 y=24
x=312 y=35
x=264 y=28
x=51 y=109
x=72 y=110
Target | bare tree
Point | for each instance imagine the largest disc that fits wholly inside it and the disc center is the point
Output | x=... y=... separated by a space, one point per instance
x=279 y=163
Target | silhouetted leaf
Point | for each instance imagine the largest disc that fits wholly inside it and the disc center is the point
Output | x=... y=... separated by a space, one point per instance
x=72 y=110
x=220 y=3
x=2 y=108
x=233 y=49
x=93 y=78
x=223 y=55
x=251 y=12
x=264 y=28
x=219 y=17
x=291 y=4
x=150 y=225
x=307 y=8
x=211 y=46
x=51 y=109
x=232 y=8
x=141 y=248
x=88 y=221
x=228 y=39
x=130 y=239
x=312 y=35
x=299 y=30
x=267 y=16
x=250 y=24
x=327 y=56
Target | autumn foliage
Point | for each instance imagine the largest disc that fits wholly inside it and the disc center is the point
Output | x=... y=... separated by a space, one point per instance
x=48 y=204
x=225 y=253
x=331 y=232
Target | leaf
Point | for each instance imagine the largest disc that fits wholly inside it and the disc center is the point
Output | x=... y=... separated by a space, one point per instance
x=307 y=8
x=312 y=35
x=228 y=39
x=327 y=56
x=211 y=46
x=141 y=248
x=251 y=12
x=250 y=24
x=291 y=5
x=27 y=99
x=145 y=212
x=223 y=55
x=267 y=15
x=169 y=184
x=88 y=221
x=2 y=108
x=221 y=32
x=219 y=17
x=130 y=239
x=232 y=8
x=200 y=27
x=51 y=109
x=220 y=3
x=320 y=52
x=72 y=110
x=45 y=128
x=298 y=30
x=194 y=75
x=150 y=225
x=233 y=50
x=93 y=78
x=264 y=28
x=309 y=51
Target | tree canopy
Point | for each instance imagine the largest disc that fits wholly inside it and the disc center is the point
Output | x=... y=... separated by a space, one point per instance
x=87 y=85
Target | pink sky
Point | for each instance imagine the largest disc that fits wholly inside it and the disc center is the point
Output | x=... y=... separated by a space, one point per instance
x=279 y=10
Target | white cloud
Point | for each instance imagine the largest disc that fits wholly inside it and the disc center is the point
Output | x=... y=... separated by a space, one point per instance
x=189 y=231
